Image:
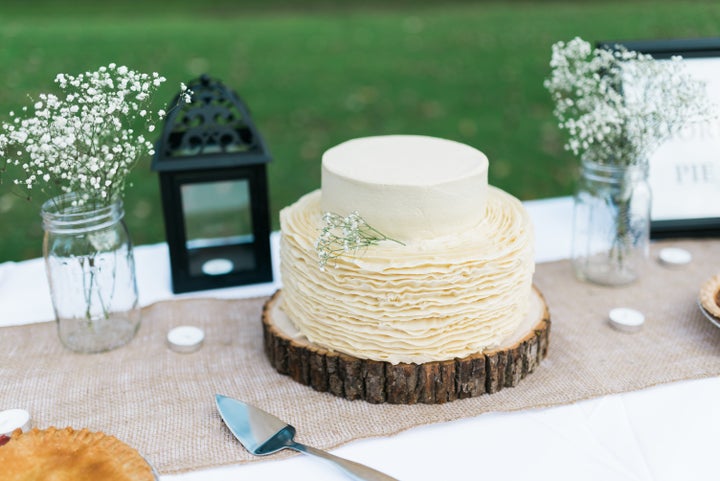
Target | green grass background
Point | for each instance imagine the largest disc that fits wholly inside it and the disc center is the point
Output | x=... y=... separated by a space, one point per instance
x=317 y=73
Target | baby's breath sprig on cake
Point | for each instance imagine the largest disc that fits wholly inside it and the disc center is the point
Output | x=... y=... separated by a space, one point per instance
x=346 y=235
x=86 y=139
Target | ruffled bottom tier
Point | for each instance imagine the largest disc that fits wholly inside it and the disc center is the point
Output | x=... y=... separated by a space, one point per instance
x=429 y=300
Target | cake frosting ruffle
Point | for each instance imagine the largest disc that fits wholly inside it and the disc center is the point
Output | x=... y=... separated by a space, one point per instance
x=431 y=299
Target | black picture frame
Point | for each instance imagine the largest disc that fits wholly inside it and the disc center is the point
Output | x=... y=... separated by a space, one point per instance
x=689 y=225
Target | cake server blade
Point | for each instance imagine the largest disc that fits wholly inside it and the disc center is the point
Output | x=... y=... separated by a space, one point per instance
x=262 y=433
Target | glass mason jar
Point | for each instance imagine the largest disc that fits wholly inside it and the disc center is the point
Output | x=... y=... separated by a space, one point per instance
x=611 y=222
x=91 y=271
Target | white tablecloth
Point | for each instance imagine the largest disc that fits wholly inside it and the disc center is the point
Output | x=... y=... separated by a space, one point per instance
x=662 y=433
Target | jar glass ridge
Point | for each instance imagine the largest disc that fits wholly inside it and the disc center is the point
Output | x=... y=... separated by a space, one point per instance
x=611 y=222
x=91 y=272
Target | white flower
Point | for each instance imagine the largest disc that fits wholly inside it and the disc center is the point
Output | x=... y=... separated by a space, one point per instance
x=81 y=141
x=618 y=105
x=343 y=235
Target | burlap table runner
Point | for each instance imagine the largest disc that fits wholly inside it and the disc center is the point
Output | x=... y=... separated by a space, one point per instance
x=162 y=403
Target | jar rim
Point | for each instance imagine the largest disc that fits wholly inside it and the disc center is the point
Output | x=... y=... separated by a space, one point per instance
x=56 y=205
x=611 y=167
x=59 y=213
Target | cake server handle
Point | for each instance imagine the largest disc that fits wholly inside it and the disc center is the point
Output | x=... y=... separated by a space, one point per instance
x=356 y=471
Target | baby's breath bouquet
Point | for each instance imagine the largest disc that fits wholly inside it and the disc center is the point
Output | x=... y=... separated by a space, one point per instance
x=84 y=140
x=617 y=106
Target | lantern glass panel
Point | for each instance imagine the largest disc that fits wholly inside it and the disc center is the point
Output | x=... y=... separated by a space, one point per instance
x=218 y=227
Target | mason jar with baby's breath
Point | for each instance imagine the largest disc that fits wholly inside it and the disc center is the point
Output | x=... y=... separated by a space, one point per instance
x=611 y=222
x=77 y=149
x=91 y=271
x=617 y=106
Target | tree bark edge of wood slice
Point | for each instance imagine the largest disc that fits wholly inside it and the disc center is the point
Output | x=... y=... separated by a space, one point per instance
x=433 y=382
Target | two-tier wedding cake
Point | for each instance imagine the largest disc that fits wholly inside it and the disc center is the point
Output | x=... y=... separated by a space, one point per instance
x=450 y=273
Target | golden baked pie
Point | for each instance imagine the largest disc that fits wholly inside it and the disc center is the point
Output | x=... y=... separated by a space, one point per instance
x=70 y=455
x=710 y=295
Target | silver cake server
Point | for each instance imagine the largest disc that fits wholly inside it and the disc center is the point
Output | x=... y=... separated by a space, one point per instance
x=262 y=433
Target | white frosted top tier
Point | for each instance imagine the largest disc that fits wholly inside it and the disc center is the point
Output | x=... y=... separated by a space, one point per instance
x=408 y=187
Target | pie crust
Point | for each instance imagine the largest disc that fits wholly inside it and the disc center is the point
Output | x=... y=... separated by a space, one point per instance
x=709 y=296
x=70 y=455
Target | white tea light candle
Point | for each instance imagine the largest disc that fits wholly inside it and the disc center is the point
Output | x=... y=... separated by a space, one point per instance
x=626 y=319
x=185 y=339
x=674 y=256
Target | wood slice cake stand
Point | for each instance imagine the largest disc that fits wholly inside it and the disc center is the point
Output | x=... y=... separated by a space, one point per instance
x=434 y=382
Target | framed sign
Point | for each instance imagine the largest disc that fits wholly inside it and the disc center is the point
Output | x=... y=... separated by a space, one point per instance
x=685 y=171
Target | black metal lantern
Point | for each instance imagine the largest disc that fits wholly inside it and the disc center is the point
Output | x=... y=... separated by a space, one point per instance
x=211 y=162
